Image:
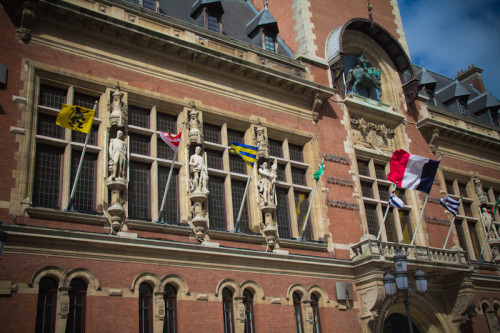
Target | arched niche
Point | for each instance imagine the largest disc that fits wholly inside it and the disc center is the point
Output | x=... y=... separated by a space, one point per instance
x=380 y=48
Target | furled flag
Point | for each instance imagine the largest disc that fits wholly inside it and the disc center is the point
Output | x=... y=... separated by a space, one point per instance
x=450 y=204
x=395 y=201
x=319 y=172
x=412 y=172
x=246 y=152
x=171 y=141
x=76 y=118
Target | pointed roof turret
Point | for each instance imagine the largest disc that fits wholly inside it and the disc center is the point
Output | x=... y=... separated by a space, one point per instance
x=263 y=19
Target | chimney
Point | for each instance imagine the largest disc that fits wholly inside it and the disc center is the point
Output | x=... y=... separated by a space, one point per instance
x=472 y=75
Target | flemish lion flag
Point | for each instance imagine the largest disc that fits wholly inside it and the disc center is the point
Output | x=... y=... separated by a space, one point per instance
x=76 y=118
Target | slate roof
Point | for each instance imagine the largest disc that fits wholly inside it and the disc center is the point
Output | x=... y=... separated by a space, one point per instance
x=237 y=15
x=447 y=89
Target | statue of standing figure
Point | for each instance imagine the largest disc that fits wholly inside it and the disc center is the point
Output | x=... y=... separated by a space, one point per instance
x=199 y=174
x=267 y=182
x=488 y=221
x=117 y=155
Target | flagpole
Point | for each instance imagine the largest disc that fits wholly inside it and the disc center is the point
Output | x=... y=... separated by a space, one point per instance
x=237 y=224
x=302 y=235
x=385 y=216
x=164 y=200
x=73 y=190
x=451 y=225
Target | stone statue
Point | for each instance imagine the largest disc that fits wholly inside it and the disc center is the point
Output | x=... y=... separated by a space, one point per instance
x=488 y=220
x=117 y=155
x=267 y=182
x=199 y=174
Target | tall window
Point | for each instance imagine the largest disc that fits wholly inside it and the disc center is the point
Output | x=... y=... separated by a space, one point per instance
x=145 y=308
x=150 y=163
x=46 y=306
x=249 y=317
x=467 y=222
x=315 y=309
x=297 y=312
x=227 y=310
x=56 y=146
x=376 y=192
x=77 y=300
x=292 y=192
x=170 y=298
x=269 y=42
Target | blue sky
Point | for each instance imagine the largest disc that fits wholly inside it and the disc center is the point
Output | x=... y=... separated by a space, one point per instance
x=447 y=36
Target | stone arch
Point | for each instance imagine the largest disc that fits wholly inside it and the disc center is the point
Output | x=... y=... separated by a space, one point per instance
x=335 y=53
x=254 y=287
x=230 y=284
x=47 y=271
x=296 y=287
x=177 y=282
x=151 y=278
x=426 y=315
x=319 y=291
x=84 y=274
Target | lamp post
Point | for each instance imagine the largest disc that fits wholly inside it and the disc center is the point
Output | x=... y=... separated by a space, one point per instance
x=397 y=285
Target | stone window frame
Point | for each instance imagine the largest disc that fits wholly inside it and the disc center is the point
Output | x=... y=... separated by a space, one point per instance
x=464 y=220
x=72 y=86
x=381 y=205
x=287 y=184
x=153 y=160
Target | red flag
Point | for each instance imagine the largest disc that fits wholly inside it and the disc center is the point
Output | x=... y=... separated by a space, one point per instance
x=172 y=141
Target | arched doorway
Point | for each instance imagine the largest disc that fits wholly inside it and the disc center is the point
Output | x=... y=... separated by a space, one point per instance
x=398 y=323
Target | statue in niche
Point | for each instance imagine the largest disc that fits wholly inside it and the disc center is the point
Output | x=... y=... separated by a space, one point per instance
x=117 y=156
x=267 y=182
x=194 y=125
x=365 y=76
x=488 y=221
x=199 y=174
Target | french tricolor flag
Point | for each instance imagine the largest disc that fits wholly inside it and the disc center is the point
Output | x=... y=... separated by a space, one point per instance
x=412 y=172
x=170 y=140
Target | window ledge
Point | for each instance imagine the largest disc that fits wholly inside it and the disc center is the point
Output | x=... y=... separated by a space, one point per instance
x=237 y=236
x=303 y=245
x=71 y=217
x=159 y=227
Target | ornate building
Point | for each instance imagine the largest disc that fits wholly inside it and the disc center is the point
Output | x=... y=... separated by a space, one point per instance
x=157 y=239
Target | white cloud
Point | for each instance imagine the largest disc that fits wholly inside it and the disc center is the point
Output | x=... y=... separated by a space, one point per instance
x=447 y=36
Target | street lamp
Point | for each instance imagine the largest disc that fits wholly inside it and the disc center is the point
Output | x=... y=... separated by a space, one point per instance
x=397 y=285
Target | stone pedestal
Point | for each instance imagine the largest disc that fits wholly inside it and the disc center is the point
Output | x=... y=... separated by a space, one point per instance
x=116 y=211
x=198 y=217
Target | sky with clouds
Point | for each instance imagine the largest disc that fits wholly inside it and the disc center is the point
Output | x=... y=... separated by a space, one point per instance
x=447 y=36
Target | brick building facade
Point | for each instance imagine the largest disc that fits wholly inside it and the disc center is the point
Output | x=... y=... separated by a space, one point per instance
x=282 y=76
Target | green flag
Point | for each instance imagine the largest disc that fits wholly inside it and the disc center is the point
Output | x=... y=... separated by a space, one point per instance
x=494 y=209
x=319 y=172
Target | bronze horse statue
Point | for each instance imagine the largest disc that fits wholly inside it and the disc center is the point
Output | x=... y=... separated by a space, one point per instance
x=368 y=79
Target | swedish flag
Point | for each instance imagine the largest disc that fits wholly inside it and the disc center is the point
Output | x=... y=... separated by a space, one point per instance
x=247 y=153
x=76 y=118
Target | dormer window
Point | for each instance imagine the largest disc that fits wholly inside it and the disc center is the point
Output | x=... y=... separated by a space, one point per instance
x=208 y=13
x=462 y=107
x=429 y=92
x=212 y=21
x=148 y=4
x=269 y=42
x=494 y=117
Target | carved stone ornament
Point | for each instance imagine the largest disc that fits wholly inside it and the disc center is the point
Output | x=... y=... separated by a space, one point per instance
x=464 y=307
x=195 y=131
x=117 y=108
x=433 y=146
x=198 y=194
x=479 y=191
x=371 y=302
x=24 y=32
x=261 y=141
x=372 y=135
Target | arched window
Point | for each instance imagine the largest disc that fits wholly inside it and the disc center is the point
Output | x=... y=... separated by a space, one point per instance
x=227 y=308
x=249 y=320
x=145 y=308
x=297 y=313
x=170 y=298
x=77 y=297
x=315 y=309
x=46 y=306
